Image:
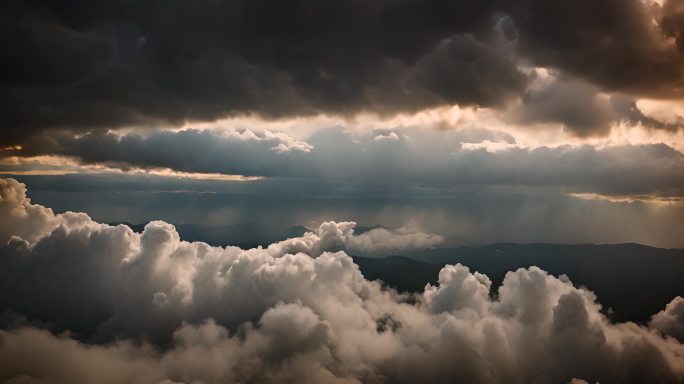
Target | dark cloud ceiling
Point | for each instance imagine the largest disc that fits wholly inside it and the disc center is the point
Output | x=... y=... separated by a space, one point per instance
x=88 y=65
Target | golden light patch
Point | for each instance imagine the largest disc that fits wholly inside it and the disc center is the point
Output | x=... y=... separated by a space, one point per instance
x=646 y=199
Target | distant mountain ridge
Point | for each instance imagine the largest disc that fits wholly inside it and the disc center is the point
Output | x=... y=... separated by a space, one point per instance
x=633 y=281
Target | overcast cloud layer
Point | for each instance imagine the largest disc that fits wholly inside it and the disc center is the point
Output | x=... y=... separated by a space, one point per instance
x=296 y=311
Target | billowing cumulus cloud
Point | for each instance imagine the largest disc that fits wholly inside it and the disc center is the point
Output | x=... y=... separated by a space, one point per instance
x=382 y=240
x=341 y=236
x=82 y=65
x=670 y=321
x=151 y=308
x=20 y=217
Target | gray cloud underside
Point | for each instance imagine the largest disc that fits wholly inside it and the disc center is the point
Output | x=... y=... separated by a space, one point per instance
x=575 y=105
x=291 y=312
x=403 y=158
x=88 y=65
x=580 y=108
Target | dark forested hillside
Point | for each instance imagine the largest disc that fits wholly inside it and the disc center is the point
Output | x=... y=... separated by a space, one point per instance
x=632 y=281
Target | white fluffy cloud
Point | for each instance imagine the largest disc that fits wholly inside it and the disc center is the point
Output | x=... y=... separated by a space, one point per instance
x=670 y=321
x=19 y=216
x=333 y=236
x=150 y=308
x=384 y=241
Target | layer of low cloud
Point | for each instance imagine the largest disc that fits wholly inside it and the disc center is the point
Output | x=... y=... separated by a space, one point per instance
x=338 y=156
x=163 y=310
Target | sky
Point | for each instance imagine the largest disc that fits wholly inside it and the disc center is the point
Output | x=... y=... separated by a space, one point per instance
x=480 y=121
x=379 y=127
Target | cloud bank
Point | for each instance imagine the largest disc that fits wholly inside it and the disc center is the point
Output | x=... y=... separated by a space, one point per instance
x=150 y=308
x=400 y=158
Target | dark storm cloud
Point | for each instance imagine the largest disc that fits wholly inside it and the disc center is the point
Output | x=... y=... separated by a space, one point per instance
x=673 y=21
x=629 y=111
x=113 y=63
x=619 y=45
x=384 y=160
x=117 y=63
x=465 y=70
x=581 y=108
x=575 y=105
